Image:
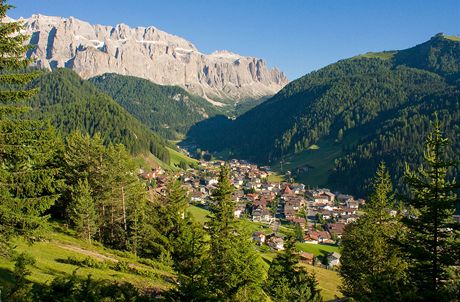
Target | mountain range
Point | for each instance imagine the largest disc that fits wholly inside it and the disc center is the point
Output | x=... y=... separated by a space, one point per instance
x=92 y=50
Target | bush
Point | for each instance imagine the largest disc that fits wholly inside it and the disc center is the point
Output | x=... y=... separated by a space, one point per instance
x=86 y=262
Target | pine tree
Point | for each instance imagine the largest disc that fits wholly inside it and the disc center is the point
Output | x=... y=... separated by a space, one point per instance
x=433 y=242
x=232 y=266
x=287 y=281
x=299 y=233
x=28 y=185
x=371 y=264
x=189 y=256
x=117 y=193
x=82 y=212
x=21 y=291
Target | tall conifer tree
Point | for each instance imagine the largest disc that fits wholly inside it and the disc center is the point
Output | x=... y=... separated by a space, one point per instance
x=82 y=211
x=287 y=281
x=232 y=269
x=433 y=242
x=371 y=264
x=27 y=147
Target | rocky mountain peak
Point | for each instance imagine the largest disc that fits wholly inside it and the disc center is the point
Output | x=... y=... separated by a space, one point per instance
x=149 y=53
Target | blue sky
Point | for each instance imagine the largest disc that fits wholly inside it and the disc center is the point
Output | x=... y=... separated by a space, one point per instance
x=297 y=36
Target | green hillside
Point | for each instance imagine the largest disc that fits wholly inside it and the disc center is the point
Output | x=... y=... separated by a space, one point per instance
x=357 y=112
x=60 y=253
x=75 y=104
x=168 y=110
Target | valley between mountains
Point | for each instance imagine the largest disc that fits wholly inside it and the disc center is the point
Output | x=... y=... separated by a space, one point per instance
x=142 y=169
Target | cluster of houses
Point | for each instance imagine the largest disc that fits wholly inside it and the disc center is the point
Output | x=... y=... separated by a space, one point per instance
x=321 y=214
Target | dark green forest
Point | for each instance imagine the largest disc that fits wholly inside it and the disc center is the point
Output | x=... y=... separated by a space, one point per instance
x=71 y=103
x=168 y=110
x=371 y=107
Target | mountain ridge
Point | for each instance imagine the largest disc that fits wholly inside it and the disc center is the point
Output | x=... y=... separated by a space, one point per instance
x=71 y=103
x=149 y=53
x=345 y=107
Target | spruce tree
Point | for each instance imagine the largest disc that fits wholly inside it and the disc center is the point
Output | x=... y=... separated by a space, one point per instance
x=232 y=263
x=189 y=258
x=117 y=193
x=371 y=264
x=28 y=185
x=21 y=290
x=433 y=241
x=288 y=281
x=82 y=212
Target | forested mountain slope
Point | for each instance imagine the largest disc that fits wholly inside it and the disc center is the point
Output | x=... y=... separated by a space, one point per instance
x=168 y=110
x=367 y=108
x=75 y=104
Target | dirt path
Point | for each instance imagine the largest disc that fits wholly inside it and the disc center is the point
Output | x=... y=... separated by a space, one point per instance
x=94 y=254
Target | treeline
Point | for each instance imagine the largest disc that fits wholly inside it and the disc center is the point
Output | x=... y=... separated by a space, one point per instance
x=167 y=110
x=71 y=103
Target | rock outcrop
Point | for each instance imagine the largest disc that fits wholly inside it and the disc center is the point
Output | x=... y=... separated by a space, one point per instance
x=149 y=53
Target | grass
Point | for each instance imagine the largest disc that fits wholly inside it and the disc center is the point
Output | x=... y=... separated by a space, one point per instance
x=318 y=160
x=328 y=281
x=453 y=38
x=148 y=161
x=199 y=214
x=50 y=256
x=275 y=177
x=176 y=157
x=384 y=55
x=317 y=249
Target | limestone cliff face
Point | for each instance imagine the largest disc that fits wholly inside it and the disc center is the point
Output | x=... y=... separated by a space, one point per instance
x=148 y=53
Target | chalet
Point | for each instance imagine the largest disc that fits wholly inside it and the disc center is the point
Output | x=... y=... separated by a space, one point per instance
x=238 y=182
x=289 y=213
x=330 y=196
x=352 y=204
x=211 y=181
x=347 y=219
x=336 y=229
x=300 y=220
x=259 y=238
x=259 y=203
x=239 y=210
x=287 y=191
x=328 y=208
x=333 y=259
x=326 y=215
x=314 y=236
x=343 y=198
x=262 y=215
x=306 y=258
x=197 y=197
x=276 y=242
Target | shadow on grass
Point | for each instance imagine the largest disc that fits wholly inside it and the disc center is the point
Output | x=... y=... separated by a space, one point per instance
x=6 y=277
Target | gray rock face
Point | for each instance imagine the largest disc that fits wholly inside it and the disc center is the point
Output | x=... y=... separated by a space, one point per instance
x=148 y=53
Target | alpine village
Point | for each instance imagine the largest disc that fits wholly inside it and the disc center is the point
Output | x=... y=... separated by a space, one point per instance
x=134 y=167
